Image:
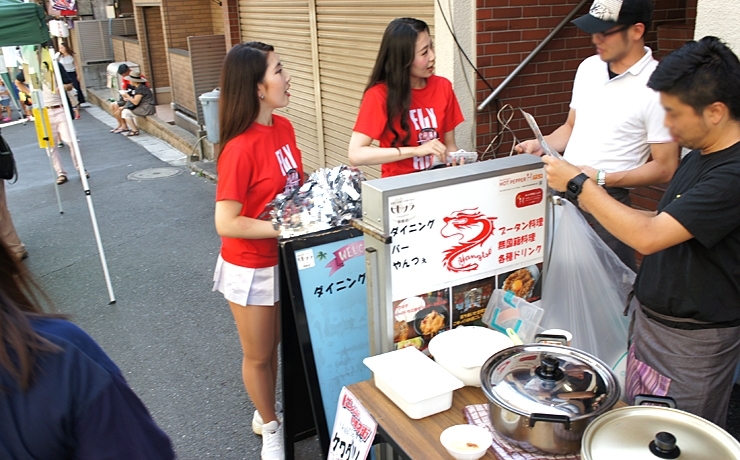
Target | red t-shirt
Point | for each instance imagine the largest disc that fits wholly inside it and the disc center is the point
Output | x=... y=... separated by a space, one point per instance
x=434 y=111
x=252 y=169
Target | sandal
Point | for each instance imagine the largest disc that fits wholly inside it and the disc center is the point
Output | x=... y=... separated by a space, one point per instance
x=118 y=130
x=132 y=133
x=61 y=180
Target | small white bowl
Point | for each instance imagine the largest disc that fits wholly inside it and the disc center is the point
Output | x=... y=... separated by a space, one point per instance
x=466 y=442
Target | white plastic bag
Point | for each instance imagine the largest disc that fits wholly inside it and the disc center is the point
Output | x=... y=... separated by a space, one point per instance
x=586 y=288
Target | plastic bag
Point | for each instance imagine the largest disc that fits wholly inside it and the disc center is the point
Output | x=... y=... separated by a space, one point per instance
x=586 y=288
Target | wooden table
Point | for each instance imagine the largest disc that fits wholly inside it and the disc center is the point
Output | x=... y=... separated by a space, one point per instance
x=416 y=439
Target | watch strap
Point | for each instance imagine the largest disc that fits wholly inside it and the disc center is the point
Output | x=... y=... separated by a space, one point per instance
x=575 y=186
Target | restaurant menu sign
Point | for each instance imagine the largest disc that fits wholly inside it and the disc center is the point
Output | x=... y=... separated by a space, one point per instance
x=446 y=257
x=354 y=430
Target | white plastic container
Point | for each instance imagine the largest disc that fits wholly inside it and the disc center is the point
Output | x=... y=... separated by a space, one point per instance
x=463 y=350
x=416 y=384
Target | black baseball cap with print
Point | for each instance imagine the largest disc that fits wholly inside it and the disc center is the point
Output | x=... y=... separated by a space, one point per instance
x=605 y=14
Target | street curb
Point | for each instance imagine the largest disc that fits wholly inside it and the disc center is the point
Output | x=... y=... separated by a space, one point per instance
x=203 y=170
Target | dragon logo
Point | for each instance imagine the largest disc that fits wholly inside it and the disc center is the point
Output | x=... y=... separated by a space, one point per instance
x=472 y=229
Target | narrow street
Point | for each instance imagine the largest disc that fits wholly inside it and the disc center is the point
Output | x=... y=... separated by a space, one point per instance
x=174 y=339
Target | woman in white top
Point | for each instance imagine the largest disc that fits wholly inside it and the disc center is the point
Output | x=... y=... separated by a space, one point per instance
x=67 y=59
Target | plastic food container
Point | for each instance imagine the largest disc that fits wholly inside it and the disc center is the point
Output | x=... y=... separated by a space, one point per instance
x=505 y=310
x=416 y=384
x=463 y=350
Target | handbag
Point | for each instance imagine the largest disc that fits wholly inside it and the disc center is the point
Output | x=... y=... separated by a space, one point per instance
x=129 y=105
x=145 y=108
x=8 y=170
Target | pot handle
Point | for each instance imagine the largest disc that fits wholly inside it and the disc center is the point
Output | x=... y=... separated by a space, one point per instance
x=651 y=400
x=552 y=418
x=549 y=338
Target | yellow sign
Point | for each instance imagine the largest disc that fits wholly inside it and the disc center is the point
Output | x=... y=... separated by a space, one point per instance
x=43 y=128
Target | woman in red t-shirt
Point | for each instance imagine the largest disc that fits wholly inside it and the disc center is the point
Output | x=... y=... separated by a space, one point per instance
x=260 y=159
x=409 y=110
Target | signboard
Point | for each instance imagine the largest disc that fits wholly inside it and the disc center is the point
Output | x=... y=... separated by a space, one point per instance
x=452 y=245
x=354 y=430
x=326 y=279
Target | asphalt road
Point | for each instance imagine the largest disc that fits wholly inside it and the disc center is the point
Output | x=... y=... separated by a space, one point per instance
x=173 y=337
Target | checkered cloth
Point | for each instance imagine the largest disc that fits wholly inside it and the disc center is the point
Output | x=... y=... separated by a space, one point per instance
x=477 y=414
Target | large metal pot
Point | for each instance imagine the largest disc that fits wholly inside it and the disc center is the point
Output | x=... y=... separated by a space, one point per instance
x=652 y=433
x=544 y=396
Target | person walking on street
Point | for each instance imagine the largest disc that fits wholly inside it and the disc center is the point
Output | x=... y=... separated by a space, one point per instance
x=5 y=103
x=67 y=59
x=406 y=107
x=686 y=332
x=615 y=122
x=58 y=121
x=260 y=159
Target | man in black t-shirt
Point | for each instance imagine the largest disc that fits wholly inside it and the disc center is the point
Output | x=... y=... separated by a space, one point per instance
x=686 y=339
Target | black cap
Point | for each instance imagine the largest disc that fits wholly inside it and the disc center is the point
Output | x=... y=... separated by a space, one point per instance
x=122 y=69
x=605 y=14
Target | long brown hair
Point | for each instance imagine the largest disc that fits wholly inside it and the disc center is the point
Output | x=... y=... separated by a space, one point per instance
x=20 y=345
x=393 y=66
x=69 y=50
x=244 y=68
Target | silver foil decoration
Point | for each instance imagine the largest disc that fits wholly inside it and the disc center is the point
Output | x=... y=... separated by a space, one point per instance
x=329 y=198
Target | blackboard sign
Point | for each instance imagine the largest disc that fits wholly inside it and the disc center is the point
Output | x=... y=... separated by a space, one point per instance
x=325 y=278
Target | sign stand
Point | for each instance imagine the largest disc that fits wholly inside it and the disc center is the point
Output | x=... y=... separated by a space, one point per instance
x=324 y=328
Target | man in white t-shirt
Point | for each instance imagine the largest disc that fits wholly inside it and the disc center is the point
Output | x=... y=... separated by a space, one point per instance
x=619 y=122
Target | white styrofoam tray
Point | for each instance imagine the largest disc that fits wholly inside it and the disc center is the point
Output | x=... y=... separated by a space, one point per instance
x=416 y=384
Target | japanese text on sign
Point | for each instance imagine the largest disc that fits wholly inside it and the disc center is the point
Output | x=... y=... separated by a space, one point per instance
x=354 y=430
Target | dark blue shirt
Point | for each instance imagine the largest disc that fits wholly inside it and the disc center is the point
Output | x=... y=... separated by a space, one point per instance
x=78 y=407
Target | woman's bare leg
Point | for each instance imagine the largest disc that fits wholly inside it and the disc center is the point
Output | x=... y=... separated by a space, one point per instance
x=259 y=337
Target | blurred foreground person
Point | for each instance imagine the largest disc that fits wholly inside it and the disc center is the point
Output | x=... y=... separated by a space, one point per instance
x=61 y=396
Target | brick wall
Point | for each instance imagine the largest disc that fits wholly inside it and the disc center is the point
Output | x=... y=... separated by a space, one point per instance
x=217 y=17
x=183 y=18
x=159 y=75
x=182 y=81
x=119 y=53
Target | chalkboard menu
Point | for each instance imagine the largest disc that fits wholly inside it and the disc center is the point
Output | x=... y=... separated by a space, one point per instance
x=325 y=276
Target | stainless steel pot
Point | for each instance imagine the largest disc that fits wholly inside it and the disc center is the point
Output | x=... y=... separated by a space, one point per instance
x=544 y=396
x=652 y=433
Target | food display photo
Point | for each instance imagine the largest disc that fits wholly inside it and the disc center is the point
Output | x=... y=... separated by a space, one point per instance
x=418 y=319
x=469 y=301
x=523 y=282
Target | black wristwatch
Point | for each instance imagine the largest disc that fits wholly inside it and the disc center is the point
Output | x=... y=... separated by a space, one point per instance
x=575 y=187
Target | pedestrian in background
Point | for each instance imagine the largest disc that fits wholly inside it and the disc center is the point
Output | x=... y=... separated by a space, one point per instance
x=406 y=107
x=260 y=159
x=67 y=59
x=5 y=102
x=61 y=396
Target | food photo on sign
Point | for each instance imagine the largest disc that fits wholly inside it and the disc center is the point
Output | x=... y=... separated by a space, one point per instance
x=523 y=282
x=419 y=318
x=469 y=301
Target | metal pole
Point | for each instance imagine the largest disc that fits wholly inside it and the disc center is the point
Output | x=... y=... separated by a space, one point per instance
x=531 y=55
x=56 y=186
x=83 y=176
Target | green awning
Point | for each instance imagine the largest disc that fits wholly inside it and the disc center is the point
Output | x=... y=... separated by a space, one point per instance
x=22 y=23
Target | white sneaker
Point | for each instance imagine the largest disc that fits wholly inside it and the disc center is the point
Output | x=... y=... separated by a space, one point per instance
x=257 y=421
x=272 y=441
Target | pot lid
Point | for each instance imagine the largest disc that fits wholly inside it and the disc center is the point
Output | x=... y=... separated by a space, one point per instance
x=549 y=379
x=652 y=432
